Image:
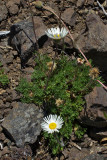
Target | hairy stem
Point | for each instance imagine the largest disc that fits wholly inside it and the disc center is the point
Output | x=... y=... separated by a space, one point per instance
x=51 y=67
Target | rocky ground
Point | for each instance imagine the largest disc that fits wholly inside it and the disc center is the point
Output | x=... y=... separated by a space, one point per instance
x=88 y=25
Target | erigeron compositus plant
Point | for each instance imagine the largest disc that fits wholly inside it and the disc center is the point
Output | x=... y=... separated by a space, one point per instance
x=59 y=85
x=67 y=85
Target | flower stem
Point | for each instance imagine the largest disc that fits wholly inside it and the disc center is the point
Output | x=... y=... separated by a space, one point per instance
x=56 y=50
x=60 y=143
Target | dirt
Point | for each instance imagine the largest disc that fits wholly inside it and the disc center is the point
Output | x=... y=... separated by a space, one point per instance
x=14 y=11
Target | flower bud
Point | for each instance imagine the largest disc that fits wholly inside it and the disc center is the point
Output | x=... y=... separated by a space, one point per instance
x=59 y=102
x=50 y=65
x=94 y=72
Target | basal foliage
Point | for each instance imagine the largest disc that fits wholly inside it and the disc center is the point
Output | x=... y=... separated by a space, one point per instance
x=59 y=92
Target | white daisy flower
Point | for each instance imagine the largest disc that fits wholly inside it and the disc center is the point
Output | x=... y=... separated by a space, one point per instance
x=52 y=123
x=56 y=33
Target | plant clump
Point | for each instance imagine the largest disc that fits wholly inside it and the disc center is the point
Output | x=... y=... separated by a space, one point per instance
x=63 y=95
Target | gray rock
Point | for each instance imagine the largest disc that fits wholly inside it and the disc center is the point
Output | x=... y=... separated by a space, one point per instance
x=23 y=38
x=23 y=123
x=94 y=157
x=96 y=109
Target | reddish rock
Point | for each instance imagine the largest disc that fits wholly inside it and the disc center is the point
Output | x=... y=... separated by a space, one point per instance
x=75 y=154
x=3 y=11
x=1 y=129
x=69 y=16
x=1 y=103
x=5 y=151
x=12 y=6
x=80 y=3
x=96 y=108
x=90 y=2
x=2 y=137
x=97 y=97
x=94 y=42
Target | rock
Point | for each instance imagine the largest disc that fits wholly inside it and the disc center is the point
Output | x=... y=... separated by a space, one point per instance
x=23 y=37
x=12 y=6
x=15 y=95
x=74 y=1
x=5 y=151
x=91 y=2
x=69 y=16
x=97 y=29
x=94 y=42
x=21 y=153
x=94 y=157
x=3 y=12
x=2 y=137
x=1 y=103
x=1 y=115
x=75 y=154
x=27 y=72
x=96 y=108
x=24 y=3
x=97 y=97
x=80 y=3
x=98 y=134
x=9 y=59
x=7 y=105
x=23 y=123
x=1 y=129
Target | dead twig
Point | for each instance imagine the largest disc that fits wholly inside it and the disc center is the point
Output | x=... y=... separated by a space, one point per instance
x=102 y=7
x=75 y=145
x=4 y=47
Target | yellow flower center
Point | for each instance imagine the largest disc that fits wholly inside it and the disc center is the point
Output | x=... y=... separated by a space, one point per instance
x=52 y=125
x=57 y=36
